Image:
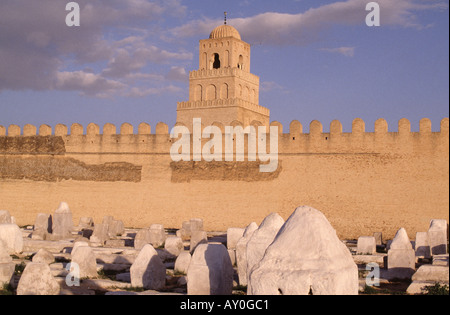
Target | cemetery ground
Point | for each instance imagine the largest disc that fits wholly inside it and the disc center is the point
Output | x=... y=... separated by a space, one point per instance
x=114 y=260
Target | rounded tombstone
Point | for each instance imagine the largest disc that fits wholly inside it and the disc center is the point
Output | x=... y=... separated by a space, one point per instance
x=306 y=257
x=210 y=271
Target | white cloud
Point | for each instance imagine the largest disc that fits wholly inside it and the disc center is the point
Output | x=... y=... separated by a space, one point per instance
x=89 y=83
x=177 y=74
x=142 y=92
x=303 y=28
x=345 y=51
x=267 y=86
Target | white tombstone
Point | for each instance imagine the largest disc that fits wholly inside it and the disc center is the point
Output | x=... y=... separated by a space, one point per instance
x=261 y=239
x=232 y=254
x=11 y=235
x=422 y=245
x=241 y=252
x=306 y=257
x=43 y=223
x=401 y=256
x=62 y=222
x=77 y=244
x=185 y=232
x=43 y=256
x=100 y=234
x=141 y=239
x=366 y=245
x=210 y=271
x=4 y=255
x=7 y=266
x=188 y=227
x=233 y=236
x=437 y=237
x=174 y=245
x=37 y=279
x=86 y=222
x=197 y=238
x=157 y=235
x=85 y=258
x=378 y=238
x=5 y=217
x=432 y=274
x=196 y=224
x=116 y=228
x=182 y=262
x=148 y=271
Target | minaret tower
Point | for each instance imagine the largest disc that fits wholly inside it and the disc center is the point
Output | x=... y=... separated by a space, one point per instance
x=223 y=91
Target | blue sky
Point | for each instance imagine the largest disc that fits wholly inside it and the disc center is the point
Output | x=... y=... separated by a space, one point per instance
x=129 y=60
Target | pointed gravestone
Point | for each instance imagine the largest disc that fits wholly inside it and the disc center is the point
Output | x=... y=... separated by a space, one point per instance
x=306 y=257
x=241 y=252
x=210 y=271
x=43 y=256
x=148 y=271
x=37 y=279
x=401 y=256
x=261 y=239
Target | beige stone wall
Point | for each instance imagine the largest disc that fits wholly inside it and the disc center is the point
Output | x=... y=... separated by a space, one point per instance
x=225 y=83
x=363 y=182
x=231 y=111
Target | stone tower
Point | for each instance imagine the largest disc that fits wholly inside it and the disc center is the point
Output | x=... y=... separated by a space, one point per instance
x=223 y=91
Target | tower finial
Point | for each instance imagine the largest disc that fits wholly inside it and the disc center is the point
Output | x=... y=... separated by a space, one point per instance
x=225 y=21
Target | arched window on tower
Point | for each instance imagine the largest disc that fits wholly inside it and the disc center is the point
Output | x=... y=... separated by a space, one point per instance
x=241 y=62
x=216 y=63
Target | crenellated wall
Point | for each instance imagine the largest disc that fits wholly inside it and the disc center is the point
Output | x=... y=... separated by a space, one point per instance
x=364 y=182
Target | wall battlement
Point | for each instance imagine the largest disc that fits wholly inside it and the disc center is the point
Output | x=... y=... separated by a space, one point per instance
x=128 y=139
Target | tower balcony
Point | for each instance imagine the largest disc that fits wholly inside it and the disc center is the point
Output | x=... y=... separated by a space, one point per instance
x=233 y=102
x=224 y=72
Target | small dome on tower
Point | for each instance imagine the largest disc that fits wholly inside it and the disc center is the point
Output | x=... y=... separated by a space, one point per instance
x=224 y=31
